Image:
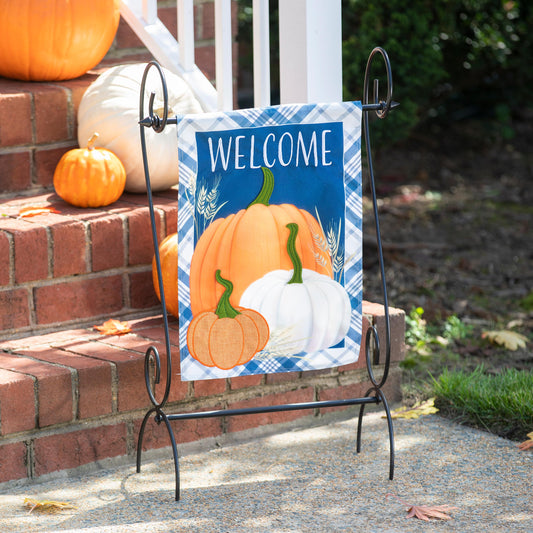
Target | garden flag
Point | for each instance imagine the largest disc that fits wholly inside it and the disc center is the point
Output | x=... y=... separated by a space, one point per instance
x=269 y=240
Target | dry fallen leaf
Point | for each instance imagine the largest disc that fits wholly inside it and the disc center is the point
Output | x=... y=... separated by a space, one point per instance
x=504 y=337
x=46 y=506
x=418 y=409
x=426 y=512
x=527 y=444
x=32 y=211
x=113 y=327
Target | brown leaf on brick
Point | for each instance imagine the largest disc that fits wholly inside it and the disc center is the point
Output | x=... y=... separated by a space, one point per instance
x=527 y=444
x=426 y=512
x=32 y=211
x=113 y=327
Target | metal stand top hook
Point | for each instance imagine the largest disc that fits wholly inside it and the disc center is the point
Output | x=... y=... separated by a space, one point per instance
x=153 y=120
x=381 y=107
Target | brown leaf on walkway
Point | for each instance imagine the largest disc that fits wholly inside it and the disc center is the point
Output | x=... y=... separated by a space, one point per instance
x=527 y=444
x=46 y=506
x=426 y=512
x=113 y=327
x=418 y=409
x=32 y=211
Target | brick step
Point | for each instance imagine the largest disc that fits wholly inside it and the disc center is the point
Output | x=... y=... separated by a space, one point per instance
x=79 y=265
x=77 y=397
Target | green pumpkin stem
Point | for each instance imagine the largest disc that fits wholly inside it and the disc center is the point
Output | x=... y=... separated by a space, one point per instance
x=224 y=308
x=266 y=190
x=293 y=254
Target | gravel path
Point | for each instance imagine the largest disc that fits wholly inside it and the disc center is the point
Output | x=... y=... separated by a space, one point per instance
x=301 y=480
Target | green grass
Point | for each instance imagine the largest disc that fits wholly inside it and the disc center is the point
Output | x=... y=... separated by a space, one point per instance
x=476 y=385
x=501 y=403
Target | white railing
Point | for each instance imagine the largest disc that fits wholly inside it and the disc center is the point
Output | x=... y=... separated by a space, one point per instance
x=310 y=49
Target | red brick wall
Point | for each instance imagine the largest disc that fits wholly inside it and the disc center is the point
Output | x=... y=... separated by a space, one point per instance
x=38 y=125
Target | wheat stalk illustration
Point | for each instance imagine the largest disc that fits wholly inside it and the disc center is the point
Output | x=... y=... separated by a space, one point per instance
x=333 y=245
x=207 y=206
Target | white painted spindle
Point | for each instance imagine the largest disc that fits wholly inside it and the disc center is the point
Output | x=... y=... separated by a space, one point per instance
x=261 y=43
x=185 y=14
x=224 y=55
x=149 y=11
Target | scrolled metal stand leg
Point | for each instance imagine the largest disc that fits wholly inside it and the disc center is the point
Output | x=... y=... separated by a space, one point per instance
x=152 y=355
x=141 y=438
x=360 y=426
x=383 y=400
x=160 y=416
x=391 y=433
x=381 y=108
x=175 y=455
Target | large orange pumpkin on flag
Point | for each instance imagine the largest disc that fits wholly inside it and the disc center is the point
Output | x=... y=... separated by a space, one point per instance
x=50 y=40
x=246 y=245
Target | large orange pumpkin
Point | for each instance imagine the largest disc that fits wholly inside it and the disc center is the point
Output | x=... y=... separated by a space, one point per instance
x=248 y=244
x=89 y=177
x=227 y=336
x=168 y=254
x=48 y=40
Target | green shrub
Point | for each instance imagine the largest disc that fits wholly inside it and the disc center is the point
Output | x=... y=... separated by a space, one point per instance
x=450 y=58
x=406 y=30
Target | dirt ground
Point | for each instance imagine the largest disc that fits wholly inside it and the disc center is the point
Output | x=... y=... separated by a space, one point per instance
x=456 y=217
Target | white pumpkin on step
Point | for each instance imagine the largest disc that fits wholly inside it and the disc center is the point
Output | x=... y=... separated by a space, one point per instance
x=110 y=106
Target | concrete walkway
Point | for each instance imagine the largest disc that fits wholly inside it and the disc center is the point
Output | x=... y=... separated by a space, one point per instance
x=301 y=479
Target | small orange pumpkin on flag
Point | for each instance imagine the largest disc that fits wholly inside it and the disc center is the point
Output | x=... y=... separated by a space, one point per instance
x=229 y=336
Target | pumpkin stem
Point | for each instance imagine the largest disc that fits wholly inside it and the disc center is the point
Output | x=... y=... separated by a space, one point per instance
x=266 y=190
x=224 y=308
x=293 y=254
x=91 y=141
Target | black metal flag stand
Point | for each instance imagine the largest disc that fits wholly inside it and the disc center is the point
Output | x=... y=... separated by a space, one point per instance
x=152 y=365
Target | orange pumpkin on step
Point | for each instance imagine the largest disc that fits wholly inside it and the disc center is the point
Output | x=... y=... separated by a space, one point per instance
x=228 y=336
x=89 y=177
x=248 y=244
x=168 y=254
x=50 y=40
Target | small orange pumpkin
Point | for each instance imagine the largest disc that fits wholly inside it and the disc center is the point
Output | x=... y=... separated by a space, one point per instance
x=168 y=254
x=89 y=177
x=48 y=40
x=229 y=336
x=248 y=244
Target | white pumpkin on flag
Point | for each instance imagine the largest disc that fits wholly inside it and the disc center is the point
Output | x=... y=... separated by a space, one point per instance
x=305 y=311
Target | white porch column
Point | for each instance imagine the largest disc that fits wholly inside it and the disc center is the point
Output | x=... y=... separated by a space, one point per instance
x=310 y=47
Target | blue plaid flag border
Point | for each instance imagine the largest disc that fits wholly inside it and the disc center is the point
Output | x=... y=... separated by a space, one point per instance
x=346 y=115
